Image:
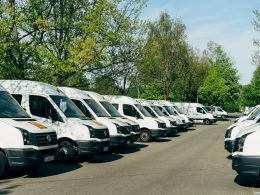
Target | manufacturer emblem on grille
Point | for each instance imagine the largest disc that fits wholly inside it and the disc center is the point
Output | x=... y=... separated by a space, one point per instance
x=105 y=133
x=48 y=137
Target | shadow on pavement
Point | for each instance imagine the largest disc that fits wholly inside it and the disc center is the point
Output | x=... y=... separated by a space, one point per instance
x=229 y=157
x=176 y=135
x=104 y=158
x=162 y=140
x=8 y=189
x=132 y=148
x=247 y=181
x=49 y=169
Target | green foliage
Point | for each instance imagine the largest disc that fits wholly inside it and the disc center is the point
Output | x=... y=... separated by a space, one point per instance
x=222 y=66
x=213 y=91
x=250 y=95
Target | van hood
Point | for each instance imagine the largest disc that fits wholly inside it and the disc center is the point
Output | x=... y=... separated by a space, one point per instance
x=252 y=128
x=126 y=120
x=92 y=123
x=113 y=120
x=28 y=124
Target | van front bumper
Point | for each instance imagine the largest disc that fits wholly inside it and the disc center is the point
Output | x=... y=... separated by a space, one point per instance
x=134 y=137
x=213 y=120
x=120 y=141
x=28 y=157
x=171 y=130
x=229 y=145
x=246 y=165
x=92 y=147
x=182 y=126
x=158 y=133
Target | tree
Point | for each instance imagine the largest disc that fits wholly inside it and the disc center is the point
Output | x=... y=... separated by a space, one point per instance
x=250 y=95
x=164 y=44
x=223 y=66
x=214 y=90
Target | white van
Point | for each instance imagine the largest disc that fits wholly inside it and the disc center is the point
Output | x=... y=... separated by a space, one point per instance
x=217 y=111
x=157 y=113
x=246 y=154
x=119 y=131
x=112 y=111
x=168 y=109
x=24 y=142
x=252 y=112
x=77 y=135
x=197 y=112
x=234 y=129
x=130 y=108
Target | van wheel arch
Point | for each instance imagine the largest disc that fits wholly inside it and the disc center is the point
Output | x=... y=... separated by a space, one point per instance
x=206 y=121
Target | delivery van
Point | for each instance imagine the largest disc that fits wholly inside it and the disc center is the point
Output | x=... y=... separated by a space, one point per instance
x=112 y=111
x=217 y=111
x=197 y=112
x=24 y=142
x=151 y=128
x=252 y=112
x=168 y=109
x=119 y=131
x=234 y=129
x=77 y=134
x=246 y=154
x=157 y=113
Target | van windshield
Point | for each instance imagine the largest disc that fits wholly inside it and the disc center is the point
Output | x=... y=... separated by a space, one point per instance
x=67 y=107
x=143 y=110
x=110 y=109
x=9 y=108
x=158 y=111
x=254 y=114
x=178 y=110
x=170 y=110
x=97 y=109
x=205 y=109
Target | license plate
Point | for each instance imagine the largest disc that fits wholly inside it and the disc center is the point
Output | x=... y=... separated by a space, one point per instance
x=105 y=149
x=128 y=142
x=48 y=158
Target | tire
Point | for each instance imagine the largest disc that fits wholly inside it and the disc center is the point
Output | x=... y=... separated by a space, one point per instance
x=4 y=165
x=145 y=136
x=223 y=117
x=66 y=152
x=207 y=122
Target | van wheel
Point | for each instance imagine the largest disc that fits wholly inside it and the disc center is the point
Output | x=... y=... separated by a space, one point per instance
x=66 y=152
x=207 y=122
x=223 y=117
x=3 y=164
x=145 y=136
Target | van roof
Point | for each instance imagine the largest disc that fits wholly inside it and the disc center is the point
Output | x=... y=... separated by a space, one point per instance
x=121 y=99
x=74 y=93
x=144 y=102
x=1 y=88
x=30 y=87
x=95 y=96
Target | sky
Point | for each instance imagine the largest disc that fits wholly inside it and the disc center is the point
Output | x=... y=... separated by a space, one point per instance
x=226 y=22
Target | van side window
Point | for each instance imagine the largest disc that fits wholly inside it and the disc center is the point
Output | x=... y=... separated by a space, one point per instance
x=150 y=111
x=18 y=98
x=129 y=110
x=41 y=107
x=83 y=108
x=200 y=110
x=115 y=105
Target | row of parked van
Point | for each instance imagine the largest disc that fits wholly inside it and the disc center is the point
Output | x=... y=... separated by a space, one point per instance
x=40 y=122
x=242 y=141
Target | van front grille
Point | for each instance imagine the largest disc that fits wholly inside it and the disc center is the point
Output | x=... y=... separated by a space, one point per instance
x=101 y=133
x=46 y=139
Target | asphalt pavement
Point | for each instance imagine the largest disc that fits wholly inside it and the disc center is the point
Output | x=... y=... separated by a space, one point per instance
x=192 y=162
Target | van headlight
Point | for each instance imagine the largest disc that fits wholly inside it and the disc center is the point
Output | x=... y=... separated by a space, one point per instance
x=229 y=132
x=241 y=142
x=173 y=123
x=118 y=128
x=27 y=136
x=91 y=132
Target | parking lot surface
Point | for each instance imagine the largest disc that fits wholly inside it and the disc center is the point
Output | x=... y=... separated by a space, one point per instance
x=193 y=162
